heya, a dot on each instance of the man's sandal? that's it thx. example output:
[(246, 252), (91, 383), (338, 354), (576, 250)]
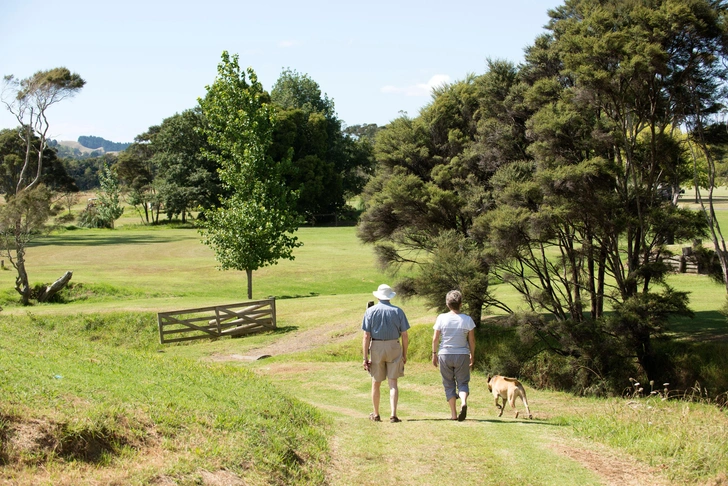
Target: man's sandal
[(394, 419), (374, 418)]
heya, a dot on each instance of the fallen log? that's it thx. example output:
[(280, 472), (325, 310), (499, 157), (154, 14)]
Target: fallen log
[(55, 287)]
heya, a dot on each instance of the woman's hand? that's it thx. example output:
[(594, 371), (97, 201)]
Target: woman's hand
[(435, 361)]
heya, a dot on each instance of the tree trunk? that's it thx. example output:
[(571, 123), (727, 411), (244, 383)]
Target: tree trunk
[(249, 273), (646, 356), (475, 309), (55, 287), (21, 281)]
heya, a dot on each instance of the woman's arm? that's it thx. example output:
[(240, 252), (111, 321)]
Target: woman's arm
[(471, 343), (435, 345)]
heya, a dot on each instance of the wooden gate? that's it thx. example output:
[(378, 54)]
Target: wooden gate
[(217, 321)]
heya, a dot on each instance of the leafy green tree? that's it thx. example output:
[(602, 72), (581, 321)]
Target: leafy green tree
[(254, 226), (29, 100), (327, 165), (590, 212), (433, 179), (366, 131), (699, 76), (109, 204), (12, 153), (106, 208), (137, 170), (187, 179), (85, 172)]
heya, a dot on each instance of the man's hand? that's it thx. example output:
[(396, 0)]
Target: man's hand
[(367, 365)]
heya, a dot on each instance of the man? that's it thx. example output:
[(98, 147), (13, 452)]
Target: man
[(383, 325)]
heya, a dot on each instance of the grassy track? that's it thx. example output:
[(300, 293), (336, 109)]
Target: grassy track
[(178, 413), (426, 448)]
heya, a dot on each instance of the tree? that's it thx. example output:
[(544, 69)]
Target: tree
[(109, 206), (433, 179), (589, 214), (368, 131), (253, 227), (12, 154), (187, 180), (327, 165), (137, 170), (29, 102), (85, 172), (699, 87)]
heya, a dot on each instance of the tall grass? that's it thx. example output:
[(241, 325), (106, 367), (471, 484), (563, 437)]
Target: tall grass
[(686, 439), (98, 390)]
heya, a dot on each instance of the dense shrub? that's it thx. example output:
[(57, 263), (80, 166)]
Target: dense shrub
[(502, 350), (91, 218)]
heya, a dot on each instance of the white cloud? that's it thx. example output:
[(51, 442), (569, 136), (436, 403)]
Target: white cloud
[(287, 43), (420, 89)]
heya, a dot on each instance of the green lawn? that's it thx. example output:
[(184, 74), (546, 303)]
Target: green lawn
[(91, 372)]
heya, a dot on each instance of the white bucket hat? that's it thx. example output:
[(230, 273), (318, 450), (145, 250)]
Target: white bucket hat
[(384, 292)]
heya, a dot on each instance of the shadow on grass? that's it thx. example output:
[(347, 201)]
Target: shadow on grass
[(298, 296), (108, 237), (284, 330), (490, 421), (705, 326)]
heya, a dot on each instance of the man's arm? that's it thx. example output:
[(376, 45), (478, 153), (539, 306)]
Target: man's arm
[(405, 343), (366, 340)]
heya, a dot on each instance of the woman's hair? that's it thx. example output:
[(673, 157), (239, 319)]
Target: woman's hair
[(454, 299)]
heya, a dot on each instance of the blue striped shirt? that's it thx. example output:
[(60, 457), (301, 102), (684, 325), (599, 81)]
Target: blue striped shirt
[(384, 321)]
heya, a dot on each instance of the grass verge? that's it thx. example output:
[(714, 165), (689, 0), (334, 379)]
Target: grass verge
[(90, 393)]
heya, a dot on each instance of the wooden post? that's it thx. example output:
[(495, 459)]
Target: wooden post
[(273, 310), (161, 334)]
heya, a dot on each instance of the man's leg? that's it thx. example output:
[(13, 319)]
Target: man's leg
[(393, 396), (375, 396)]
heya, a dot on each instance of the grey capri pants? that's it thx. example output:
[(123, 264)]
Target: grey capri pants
[(455, 371)]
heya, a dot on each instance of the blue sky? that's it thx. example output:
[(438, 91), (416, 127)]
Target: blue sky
[(146, 60)]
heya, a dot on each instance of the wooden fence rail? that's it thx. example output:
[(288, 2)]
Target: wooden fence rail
[(217, 321)]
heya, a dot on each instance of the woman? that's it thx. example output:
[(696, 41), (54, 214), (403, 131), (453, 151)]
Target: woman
[(453, 349)]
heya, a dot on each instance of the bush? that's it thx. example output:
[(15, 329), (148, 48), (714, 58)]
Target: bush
[(65, 218), (702, 363), (91, 218)]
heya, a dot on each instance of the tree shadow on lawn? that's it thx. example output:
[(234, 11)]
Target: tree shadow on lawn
[(297, 296), (491, 421), (705, 326), (116, 238), (283, 330)]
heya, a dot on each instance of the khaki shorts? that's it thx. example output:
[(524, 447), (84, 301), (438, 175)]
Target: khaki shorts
[(386, 360)]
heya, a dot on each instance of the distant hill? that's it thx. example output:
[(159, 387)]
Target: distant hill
[(96, 143), (77, 150), (75, 146)]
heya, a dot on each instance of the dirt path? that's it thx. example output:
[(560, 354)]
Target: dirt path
[(613, 468), (295, 342)]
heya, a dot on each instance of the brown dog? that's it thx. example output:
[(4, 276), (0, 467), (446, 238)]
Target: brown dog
[(507, 388)]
